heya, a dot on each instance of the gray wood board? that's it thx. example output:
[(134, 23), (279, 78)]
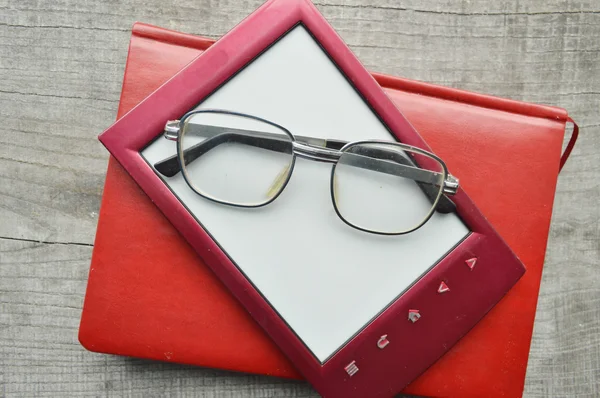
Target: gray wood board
[(61, 66)]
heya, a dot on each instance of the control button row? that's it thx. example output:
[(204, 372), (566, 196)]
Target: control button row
[(413, 315)]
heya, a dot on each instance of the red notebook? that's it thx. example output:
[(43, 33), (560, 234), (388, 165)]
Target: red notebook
[(150, 296)]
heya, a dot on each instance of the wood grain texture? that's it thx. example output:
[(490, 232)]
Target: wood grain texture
[(61, 65)]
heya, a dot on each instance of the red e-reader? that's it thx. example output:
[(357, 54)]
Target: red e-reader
[(283, 163)]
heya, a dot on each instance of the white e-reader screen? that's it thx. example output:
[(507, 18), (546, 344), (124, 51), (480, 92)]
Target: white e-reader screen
[(324, 278)]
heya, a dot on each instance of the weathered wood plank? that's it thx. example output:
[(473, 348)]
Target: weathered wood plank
[(61, 65)]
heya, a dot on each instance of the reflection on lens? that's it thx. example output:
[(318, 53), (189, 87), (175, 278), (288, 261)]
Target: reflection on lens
[(235, 159), (385, 188)]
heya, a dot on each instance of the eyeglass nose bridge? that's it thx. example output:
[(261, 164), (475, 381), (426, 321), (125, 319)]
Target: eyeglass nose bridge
[(320, 154)]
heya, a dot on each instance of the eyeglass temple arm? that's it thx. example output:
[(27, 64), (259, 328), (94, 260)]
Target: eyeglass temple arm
[(169, 167), (425, 179)]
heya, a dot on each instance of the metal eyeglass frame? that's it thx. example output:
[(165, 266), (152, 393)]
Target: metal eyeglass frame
[(318, 149)]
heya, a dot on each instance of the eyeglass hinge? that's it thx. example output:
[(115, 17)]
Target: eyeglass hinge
[(171, 131), (450, 184)]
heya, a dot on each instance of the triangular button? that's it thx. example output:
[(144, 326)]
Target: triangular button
[(443, 288), (471, 262)]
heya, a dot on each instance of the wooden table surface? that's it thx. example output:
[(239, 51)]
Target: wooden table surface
[(61, 65)]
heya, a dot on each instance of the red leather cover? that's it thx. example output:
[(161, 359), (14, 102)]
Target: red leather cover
[(150, 296)]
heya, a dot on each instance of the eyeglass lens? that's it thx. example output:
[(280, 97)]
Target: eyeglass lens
[(385, 188), (235, 159)]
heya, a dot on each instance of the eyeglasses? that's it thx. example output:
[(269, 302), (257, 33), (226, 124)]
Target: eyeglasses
[(235, 159)]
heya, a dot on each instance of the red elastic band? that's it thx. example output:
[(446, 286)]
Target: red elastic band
[(570, 145)]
